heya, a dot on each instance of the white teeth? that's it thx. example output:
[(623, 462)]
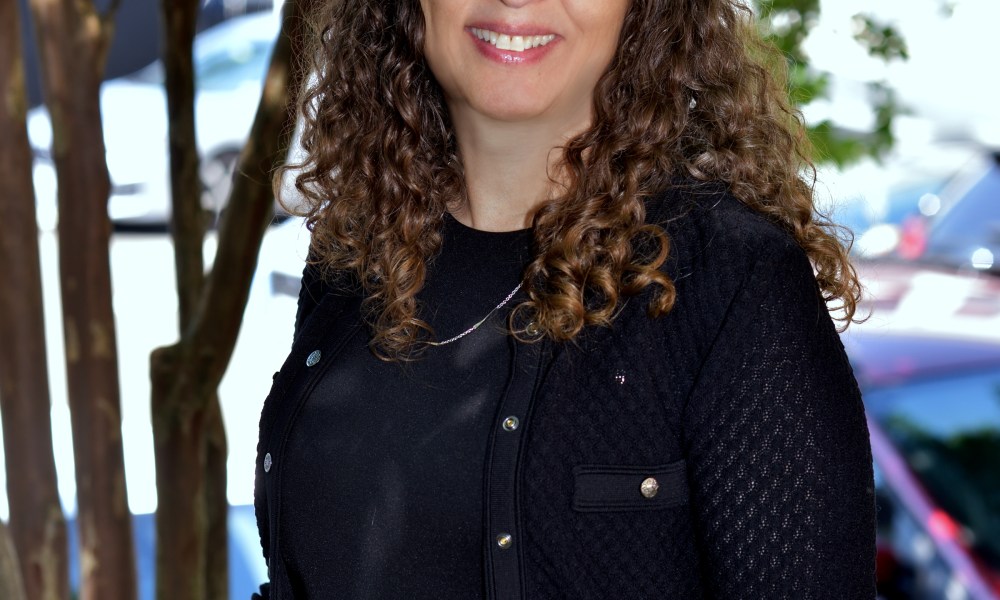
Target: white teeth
[(514, 43)]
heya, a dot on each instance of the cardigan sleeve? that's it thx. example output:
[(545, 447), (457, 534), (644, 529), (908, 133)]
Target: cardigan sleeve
[(311, 290), (777, 446)]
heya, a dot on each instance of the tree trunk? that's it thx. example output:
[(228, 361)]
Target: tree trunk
[(216, 505), (179, 22), (73, 40), (185, 541), (11, 587), (36, 520), (188, 435)]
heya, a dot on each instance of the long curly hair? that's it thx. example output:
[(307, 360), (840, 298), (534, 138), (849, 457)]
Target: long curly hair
[(693, 92)]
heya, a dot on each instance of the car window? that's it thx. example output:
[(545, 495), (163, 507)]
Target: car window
[(973, 221), (151, 74), (232, 67), (226, 69), (948, 432), (908, 199)]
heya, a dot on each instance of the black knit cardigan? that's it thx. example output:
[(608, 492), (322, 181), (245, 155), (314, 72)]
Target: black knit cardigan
[(738, 408)]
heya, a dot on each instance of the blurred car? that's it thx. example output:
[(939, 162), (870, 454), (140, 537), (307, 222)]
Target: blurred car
[(965, 232), (247, 569), (231, 60), (877, 200), (933, 406), (928, 363)]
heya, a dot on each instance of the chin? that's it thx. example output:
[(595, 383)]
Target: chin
[(513, 112), (515, 116)]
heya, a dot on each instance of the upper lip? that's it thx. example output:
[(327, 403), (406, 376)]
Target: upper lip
[(511, 29)]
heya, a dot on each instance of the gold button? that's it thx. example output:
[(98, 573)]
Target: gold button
[(531, 329), (649, 487), (504, 540), (510, 423)]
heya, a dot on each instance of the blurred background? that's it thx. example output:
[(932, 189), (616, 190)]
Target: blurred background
[(902, 102)]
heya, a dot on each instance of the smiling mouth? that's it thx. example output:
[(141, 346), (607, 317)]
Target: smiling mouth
[(513, 43)]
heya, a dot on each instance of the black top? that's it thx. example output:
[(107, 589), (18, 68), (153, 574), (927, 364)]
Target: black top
[(740, 403), (384, 465)]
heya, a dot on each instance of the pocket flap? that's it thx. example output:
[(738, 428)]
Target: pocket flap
[(629, 487)]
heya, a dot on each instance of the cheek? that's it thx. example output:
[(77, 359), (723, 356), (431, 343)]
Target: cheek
[(603, 23), (441, 62), (434, 54), (610, 34), (600, 52), (442, 33)]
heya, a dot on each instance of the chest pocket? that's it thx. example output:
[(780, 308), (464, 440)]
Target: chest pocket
[(604, 488)]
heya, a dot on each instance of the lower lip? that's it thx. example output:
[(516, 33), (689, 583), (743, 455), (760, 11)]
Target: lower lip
[(509, 57)]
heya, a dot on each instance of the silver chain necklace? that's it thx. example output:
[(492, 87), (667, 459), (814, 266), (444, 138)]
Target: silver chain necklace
[(481, 321)]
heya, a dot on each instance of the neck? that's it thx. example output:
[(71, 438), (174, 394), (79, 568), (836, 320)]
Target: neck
[(507, 169)]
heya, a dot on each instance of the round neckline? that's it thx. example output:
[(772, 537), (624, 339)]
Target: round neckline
[(450, 218)]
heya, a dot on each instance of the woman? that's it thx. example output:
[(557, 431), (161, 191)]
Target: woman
[(560, 335)]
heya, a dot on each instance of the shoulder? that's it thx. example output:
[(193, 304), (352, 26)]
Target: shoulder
[(739, 276), (714, 234), (317, 284)]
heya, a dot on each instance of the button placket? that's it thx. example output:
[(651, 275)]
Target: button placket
[(503, 564)]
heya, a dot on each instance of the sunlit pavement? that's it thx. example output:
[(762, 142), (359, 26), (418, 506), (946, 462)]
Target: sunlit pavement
[(145, 304)]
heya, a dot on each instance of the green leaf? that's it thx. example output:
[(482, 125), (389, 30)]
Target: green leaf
[(881, 41), (786, 24)]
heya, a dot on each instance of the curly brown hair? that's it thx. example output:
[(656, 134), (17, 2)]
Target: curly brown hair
[(692, 92)]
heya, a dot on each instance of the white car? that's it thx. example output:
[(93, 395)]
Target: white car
[(231, 60)]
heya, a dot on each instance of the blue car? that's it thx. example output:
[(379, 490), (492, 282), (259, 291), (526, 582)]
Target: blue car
[(966, 233), (933, 406)]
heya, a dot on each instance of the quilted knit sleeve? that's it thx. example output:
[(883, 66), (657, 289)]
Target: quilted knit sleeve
[(311, 290), (778, 454)]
